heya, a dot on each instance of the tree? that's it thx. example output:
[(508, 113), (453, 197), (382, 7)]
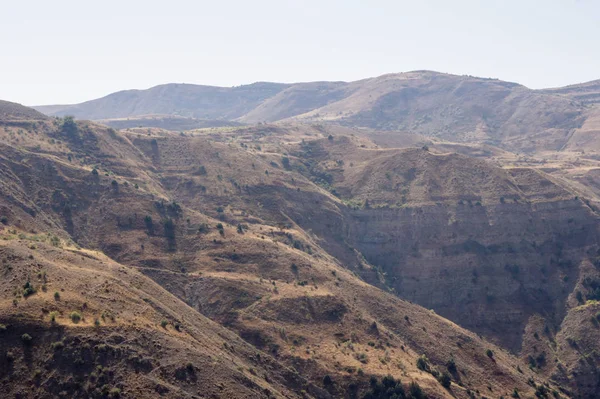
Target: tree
[(149, 224), (69, 127)]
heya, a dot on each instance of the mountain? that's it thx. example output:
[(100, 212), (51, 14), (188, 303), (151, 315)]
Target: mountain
[(455, 108), (194, 101), (285, 261)]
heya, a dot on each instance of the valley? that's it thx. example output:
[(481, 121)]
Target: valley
[(433, 232)]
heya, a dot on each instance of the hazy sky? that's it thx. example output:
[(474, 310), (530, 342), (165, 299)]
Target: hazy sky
[(70, 51)]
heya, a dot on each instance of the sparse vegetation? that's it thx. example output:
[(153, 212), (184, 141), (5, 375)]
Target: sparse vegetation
[(390, 388)]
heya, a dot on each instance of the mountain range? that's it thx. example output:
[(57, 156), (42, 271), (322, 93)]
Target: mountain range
[(421, 235)]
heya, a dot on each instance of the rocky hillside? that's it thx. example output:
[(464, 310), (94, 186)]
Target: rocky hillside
[(146, 235), (453, 108)]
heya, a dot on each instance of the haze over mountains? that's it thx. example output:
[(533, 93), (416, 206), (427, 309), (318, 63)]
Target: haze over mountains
[(304, 241), (450, 107)]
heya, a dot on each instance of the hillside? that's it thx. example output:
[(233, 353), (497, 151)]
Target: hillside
[(587, 93), (14, 112), (242, 226), (193, 101), (435, 105)]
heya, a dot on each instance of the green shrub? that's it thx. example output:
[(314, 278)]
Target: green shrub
[(28, 290), (164, 323), (445, 380), (53, 316), (75, 317), (451, 366), (489, 353), (56, 295), (392, 388), (26, 338), (58, 345), (423, 363)]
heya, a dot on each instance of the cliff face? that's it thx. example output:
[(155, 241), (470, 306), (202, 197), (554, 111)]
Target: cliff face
[(483, 246), (488, 268)]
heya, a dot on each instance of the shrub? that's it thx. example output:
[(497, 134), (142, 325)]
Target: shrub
[(169, 227), (423, 363), (28, 290), (26, 338), (451, 366), (58, 345), (4, 220), (362, 357), (95, 172), (415, 391), (392, 388), (203, 228), (327, 380), (53, 316), (75, 317), (56, 295), (164, 323), (489, 353), (445, 380), (2, 327)]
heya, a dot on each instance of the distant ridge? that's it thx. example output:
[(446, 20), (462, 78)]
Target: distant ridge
[(450, 107), (14, 111)]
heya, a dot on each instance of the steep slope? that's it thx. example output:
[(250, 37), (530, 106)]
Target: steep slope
[(483, 246), (85, 326), (212, 221)]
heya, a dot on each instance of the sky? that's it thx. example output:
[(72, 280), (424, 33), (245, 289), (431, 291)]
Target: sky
[(63, 51)]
